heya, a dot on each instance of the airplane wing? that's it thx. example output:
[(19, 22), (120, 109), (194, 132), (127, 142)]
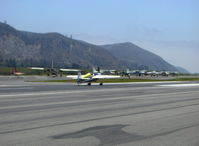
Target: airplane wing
[(76, 77), (105, 77), (37, 68), (63, 69)]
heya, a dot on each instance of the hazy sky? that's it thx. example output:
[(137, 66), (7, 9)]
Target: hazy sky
[(169, 28)]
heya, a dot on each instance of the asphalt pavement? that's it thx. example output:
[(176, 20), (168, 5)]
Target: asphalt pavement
[(127, 114)]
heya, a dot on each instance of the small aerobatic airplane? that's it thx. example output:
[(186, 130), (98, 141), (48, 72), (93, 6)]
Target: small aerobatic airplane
[(88, 78)]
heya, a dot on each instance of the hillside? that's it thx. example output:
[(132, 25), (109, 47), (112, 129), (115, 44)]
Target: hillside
[(20, 48), (23, 49), (138, 58)]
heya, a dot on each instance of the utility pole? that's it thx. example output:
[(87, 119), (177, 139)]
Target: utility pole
[(52, 65)]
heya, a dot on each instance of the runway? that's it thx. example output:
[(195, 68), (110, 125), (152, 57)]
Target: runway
[(140, 114)]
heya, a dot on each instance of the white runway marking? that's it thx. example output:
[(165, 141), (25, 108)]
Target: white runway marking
[(181, 85)]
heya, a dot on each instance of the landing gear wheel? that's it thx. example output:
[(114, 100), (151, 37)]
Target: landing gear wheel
[(101, 84), (89, 84)]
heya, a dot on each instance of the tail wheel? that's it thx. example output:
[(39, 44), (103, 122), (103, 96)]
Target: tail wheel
[(101, 84), (89, 84)]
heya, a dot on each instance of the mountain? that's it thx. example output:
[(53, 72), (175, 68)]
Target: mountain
[(21, 48), (138, 58)]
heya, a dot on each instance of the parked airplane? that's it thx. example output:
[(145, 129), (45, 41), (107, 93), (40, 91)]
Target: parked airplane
[(161, 73), (88, 78), (153, 73), (17, 73), (54, 71), (134, 72), (147, 72), (107, 71)]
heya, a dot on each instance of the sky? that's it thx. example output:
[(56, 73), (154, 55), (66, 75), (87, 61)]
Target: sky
[(169, 28)]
